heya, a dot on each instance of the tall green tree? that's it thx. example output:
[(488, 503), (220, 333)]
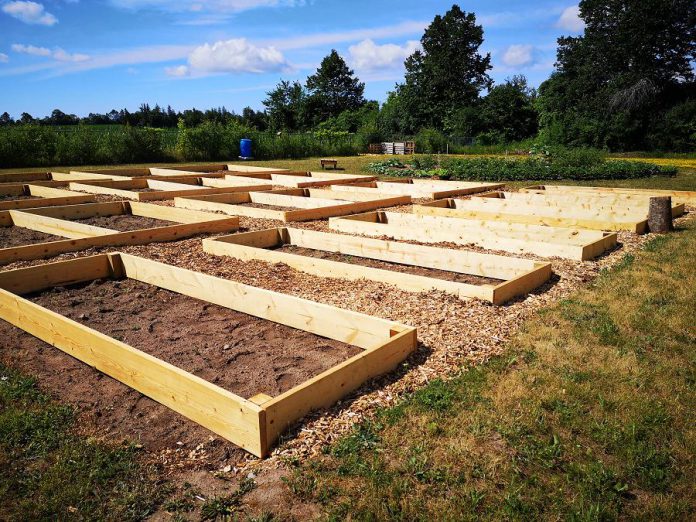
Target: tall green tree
[(448, 73), (614, 84), (285, 106), (333, 89), (508, 113)]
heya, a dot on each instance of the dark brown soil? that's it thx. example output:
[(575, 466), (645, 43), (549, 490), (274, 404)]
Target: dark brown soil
[(19, 236), (125, 222), (267, 207), (13, 197), (240, 353), (394, 267)]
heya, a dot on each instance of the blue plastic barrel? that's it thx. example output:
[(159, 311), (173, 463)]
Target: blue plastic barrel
[(245, 148)]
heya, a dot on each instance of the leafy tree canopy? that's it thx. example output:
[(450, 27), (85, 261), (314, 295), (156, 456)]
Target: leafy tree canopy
[(448, 73), (333, 89), (613, 85)]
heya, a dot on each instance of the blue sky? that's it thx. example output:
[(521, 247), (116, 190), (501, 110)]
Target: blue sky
[(91, 56)]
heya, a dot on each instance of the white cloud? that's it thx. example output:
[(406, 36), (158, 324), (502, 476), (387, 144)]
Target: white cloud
[(30, 49), (4, 58), (354, 35), (177, 71), (57, 54), (518, 55), (29, 13), (368, 56), (236, 55), (570, 19), (197, 6)]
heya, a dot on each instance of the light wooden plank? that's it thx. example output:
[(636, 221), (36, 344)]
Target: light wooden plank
[(325, 389), (57, 227), (55, 197), (432, 189), (185, 224), (24, 177), (510, 237), (220, 411), (342, 325), (514, 212), (679, 196), (252, 245), (248, 168)]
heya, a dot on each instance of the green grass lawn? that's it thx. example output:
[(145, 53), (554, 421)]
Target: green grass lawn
[(590, 415)]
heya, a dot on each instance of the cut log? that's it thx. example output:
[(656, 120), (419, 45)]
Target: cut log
[(660, 215)]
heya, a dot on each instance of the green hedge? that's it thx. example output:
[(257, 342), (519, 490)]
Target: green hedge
[(43, 146), (527, 169)]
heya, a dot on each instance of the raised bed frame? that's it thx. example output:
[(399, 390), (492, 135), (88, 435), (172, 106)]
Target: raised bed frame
[(517, 238), (251, 168), (56, 221), (45, 196), (162, 189), (678, 196), (140, 172), (520, 275), (519, 210), (310, 203), (24, 177), (422, 188), (253, 423), (302, 179)]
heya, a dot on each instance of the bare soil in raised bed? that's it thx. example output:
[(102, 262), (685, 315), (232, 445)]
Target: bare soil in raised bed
[(16, 197), (455, 277), (125, 222), (267, 207), (238, 352), (20, 236)]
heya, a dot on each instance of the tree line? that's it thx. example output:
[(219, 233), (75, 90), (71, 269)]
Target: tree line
[(626, 83), (155, 117)]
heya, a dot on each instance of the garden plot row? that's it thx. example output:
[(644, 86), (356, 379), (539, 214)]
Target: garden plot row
[(592, 213), (617, 194), (253, 418), (253, 422), (19, 196), (49, 231)]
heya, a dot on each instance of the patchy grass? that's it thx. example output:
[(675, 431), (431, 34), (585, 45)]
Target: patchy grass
[(590, 415), (49, 473)]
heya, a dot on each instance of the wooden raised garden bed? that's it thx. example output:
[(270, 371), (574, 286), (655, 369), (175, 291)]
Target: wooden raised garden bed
[(253, 423), (157, 189), (302, 179), (64, 222), (290, 205), (539, 212), (510, 237), (422, 188), (687, 197), (17, 196), (515, 276)]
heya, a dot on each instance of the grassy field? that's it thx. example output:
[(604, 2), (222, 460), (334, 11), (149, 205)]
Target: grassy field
[(590, 415)]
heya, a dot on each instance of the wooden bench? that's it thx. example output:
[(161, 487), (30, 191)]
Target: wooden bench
[(332, 162)]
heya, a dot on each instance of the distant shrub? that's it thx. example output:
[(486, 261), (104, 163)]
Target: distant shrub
[(431, 141), (584, 164)]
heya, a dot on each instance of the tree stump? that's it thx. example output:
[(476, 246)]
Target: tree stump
[(660, 215)]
